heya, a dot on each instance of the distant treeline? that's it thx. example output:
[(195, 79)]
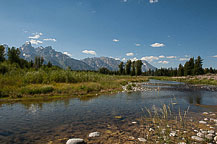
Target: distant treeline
[(191, 67), (133, 68)]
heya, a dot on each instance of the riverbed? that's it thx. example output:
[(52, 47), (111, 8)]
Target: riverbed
[(43, 121)]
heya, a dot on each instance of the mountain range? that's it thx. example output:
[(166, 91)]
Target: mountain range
[(28, 52)]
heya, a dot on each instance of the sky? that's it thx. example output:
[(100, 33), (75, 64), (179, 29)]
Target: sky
[(163, 32)]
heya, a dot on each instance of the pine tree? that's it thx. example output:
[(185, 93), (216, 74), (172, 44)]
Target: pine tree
[(139, 67), (180, 70), (13, 55), (49, 64), (2, 53), (128, 67), (133, 69), (198, 69), (121, 68)]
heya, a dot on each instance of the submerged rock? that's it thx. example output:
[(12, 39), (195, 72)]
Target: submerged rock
[(202, 122), (200, 134), (173, 133), (196, 138), (75, 141), (94, 134), (142, 139)]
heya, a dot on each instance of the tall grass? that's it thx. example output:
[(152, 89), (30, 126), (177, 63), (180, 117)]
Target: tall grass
[(16, 81)]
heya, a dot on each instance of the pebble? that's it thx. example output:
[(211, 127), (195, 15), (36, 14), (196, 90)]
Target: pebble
[(196, 138), (151, 129), (142, 139), (204, 132), (202, 122), (215, 138), (200, 134), (181, 143), (205, 113), (94, 134), (206, 119), (173, 133), (75, 141), (195, 130), (209, 136), (134, 122), (211, 131)]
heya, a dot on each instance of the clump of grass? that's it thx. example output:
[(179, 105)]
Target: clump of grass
[(37, 90)]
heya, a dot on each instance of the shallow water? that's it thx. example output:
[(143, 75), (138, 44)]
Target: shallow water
[(41, 121)]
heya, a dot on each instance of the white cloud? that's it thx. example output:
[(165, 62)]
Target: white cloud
[(50, 39), (215, 56), (163, 62), (157, 45), (36, 42), (68, 54), (117, 58), (40, 33), (129, 54), (124, 1), (149, 58), (171, 57), (37, 36), (89, 52), (161, 56), (184, 59), (115, 40), (134, 59), (137, 44), (153, 1)]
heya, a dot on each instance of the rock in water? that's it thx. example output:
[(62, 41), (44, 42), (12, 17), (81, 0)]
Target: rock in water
[(94, 134), (196, 138), (75, 141), (142, 139)]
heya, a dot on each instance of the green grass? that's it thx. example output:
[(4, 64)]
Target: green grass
[(28, 83)]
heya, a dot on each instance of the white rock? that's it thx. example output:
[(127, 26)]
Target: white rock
[(205, 113), (195, 130), (196, 138), (204, 132), (94, 134), (202, 122), (211, 131), (151, 129), (181, 143), (209, 136), (206, 119), (134, 122), (200, 134), (173, 133), (215, 138), (75, 141), (142, 139)]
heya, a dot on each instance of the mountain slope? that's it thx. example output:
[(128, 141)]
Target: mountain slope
[(99, 62), (56, 58), (112, 64), (28, 52)]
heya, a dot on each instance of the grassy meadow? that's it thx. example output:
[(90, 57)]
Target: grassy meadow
[(31, 83)]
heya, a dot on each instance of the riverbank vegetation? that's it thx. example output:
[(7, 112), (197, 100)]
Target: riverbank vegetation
[(22, 79)]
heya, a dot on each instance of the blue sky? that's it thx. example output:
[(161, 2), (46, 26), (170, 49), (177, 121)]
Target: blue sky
[(163, 32)]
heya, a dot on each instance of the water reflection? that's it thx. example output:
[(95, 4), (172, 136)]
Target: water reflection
[(36, 120)]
